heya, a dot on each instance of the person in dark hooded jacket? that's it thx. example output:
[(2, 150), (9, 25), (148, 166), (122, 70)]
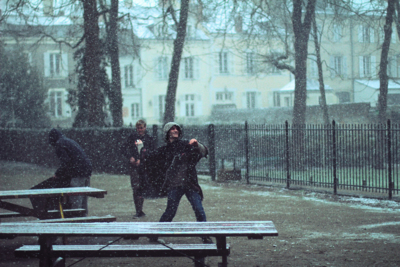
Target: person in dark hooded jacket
[(177, 162), (74, 171)]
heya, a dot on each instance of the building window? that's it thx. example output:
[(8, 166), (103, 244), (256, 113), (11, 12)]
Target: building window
[(224, 96), (366, 66), (135, 110), (287, 101), (128, 76), (188, 63), (56, 100), (223, 62), (366, 34), (189, 105), (55, 64), (343, 97), (338, 61), (162, 68), (337, 33), (277, 99), (251, 99), (250, 63)]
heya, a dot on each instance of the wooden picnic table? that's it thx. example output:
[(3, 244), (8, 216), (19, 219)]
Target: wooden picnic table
[(19, 210), (219, 230)]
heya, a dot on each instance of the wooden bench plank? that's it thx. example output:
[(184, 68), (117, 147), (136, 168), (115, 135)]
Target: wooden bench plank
[(52, 213), (53, 192), (150, 250), (81, 219)]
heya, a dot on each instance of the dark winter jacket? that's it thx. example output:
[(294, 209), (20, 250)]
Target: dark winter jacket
[(73, 160), (168, 161), (129, 149)]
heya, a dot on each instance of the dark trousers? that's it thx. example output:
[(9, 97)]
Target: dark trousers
[(174, 197)]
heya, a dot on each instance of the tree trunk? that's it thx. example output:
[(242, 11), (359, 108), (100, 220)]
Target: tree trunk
[(322, 104), (301, 33), (176, 59), (91, 65), (115, 94), (383, 76)]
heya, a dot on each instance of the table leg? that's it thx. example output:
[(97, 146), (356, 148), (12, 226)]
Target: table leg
[(221, 246), (46, 246)]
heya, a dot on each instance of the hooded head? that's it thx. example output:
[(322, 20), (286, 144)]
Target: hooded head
[(168, 127), (54, 135)]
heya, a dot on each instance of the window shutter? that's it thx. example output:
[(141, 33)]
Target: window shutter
[(46, 58), (361, 66), (244, 100), (258, 100), (196, 68), (332, 67), (360, 34), (64, 65), (372, 35), (66, 107), (198, 106), (373, 66), (137, 75), (216, 62), (156, 70), (344, 67), (231, 63)]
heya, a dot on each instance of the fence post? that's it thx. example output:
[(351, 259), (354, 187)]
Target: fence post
[(389, 145), (155, 135), (334, 157), (246, 142), (287, 155), (211, 150)]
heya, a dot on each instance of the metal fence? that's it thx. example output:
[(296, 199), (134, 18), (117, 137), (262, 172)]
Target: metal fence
[(338, 157)]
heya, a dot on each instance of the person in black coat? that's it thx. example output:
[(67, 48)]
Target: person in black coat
[(74, 171), (176, 162), (138, 143)]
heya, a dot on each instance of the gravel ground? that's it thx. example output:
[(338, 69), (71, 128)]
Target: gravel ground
[(315, 229)]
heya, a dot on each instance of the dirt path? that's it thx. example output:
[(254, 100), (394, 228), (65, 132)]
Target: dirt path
[(314, 229)]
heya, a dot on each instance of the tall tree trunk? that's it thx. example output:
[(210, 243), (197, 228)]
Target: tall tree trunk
[(383, 76), (179, 42), (115, 94), (322, 104), (92, 92), (301, 35)]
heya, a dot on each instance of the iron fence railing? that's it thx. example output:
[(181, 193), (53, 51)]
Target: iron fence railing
[(335, 156), (346, 157)]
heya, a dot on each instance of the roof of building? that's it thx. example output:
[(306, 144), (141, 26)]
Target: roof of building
[(312, 85), (375, 84)]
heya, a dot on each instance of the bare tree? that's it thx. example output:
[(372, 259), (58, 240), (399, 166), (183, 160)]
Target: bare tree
[(179, 42), (317, 45), (383, 76), (91, 108), (115, 93)]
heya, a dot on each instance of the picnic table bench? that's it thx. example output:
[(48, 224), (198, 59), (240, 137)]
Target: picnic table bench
[(45, 251), (20, 210)]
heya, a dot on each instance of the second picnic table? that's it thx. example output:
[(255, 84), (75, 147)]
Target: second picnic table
[(20, 210)]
